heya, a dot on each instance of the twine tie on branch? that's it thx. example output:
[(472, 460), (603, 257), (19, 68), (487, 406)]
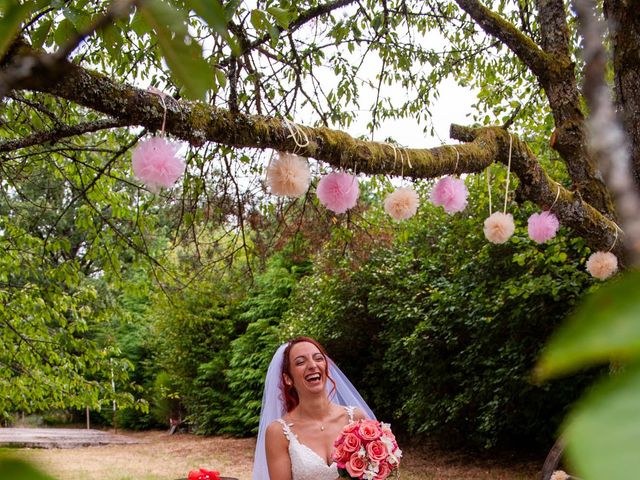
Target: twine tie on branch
[(297, 134)]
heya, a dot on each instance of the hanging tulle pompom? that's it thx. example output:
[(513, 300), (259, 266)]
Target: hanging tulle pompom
[(543, 226), (602, 265), (499, 227), (402, 203), (288, 175), (450, 193), (338, 191), (156, 163)]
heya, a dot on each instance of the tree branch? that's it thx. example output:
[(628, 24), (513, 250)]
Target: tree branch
[(56, 134), (539, 62), (198, 123)]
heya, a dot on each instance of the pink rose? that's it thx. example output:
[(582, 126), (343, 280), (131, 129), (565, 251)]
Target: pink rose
[(351, 443), (355, 466), (376, 451), (384, 469), (369, 430), (341, 456), (350, 428)]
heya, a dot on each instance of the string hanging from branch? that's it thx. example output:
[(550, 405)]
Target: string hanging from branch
[(602, 265), (403, 202), (499, 226)]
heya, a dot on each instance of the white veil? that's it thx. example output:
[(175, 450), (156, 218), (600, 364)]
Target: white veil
[(273, 406)]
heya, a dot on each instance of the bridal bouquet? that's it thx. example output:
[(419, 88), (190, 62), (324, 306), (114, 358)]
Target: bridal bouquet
[(367, 450)]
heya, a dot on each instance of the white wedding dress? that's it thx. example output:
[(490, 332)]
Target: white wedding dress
[(306, 464)]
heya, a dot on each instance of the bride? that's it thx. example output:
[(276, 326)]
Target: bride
[(307, 401)]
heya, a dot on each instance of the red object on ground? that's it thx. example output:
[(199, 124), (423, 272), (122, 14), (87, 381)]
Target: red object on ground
[(203, 474)]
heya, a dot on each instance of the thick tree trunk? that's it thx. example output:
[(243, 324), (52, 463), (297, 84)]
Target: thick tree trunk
[(624, 26)]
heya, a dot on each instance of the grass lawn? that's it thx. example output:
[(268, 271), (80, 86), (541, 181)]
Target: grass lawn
[(164, 457)]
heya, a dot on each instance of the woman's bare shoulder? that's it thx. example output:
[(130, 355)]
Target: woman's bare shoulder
[(275, 435), (275, 426)]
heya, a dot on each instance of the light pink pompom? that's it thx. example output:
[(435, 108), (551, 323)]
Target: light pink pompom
[(450, 193), (156, 163), (288, 175), (602, 265), (338, 191), (543, 226), (499, 227), (402, 203)]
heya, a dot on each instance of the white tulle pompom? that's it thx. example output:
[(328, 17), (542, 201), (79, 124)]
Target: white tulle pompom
[(602, 265), (402, 203), (288, 175), (499, 227)]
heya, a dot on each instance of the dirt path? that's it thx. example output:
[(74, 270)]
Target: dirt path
[(158, 456)]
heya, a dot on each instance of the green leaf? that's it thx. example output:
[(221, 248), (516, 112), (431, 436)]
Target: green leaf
[(13, 14), (40, 34), (230, 9), (181, 52), (64, 32), (606, 326), (259, 20), (139, 25), (217, 17), (283, 17), (112, 36), (602, 432), (212, 13)]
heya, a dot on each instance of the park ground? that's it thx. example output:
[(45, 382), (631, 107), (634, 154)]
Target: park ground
[(159, 456)]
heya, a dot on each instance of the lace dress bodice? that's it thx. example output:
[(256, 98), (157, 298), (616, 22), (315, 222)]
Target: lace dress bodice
[(305, 463)]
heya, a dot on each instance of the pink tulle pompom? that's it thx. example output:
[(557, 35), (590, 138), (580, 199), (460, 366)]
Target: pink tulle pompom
[(156, 163), (543, 226), (499, 227), (402, 203), (602, 265), (450, 193), (338, 191), (288, 175)]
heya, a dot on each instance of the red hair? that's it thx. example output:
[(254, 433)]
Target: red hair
[(289, 392)]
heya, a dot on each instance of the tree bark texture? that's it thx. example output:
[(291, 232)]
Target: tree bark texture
[(624, 30)]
